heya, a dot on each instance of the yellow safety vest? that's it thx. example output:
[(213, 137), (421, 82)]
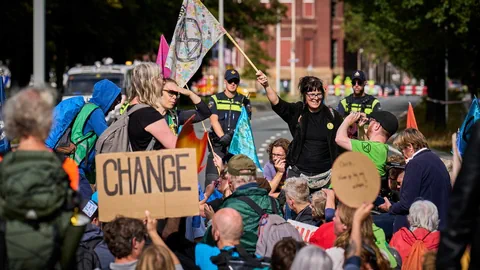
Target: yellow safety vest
[(227, 105), (356, 107)]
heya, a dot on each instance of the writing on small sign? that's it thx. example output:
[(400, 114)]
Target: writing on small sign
[(90, 208), (358, 180)]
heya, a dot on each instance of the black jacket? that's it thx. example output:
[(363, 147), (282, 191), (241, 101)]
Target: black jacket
[(291, 112), (463, 227)]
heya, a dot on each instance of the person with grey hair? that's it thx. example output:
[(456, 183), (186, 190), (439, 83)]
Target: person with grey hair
[(312, 258), (297, 197), (246, 197), (423, 219), (36, 190)]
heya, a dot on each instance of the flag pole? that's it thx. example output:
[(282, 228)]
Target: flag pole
[(206, 133), (240, 49)]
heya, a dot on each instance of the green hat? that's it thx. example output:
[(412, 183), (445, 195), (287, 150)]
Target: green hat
[(241, 165)]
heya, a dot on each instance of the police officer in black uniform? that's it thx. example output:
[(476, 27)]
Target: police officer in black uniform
[(358, 101), (226, 108)]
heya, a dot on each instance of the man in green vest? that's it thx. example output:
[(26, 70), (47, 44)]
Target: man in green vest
[(358, 101), (226, 108)]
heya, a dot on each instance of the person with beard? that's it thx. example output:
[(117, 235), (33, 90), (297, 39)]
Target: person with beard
[(313, 126), (358, 101)]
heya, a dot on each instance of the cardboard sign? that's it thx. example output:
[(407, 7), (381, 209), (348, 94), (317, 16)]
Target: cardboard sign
[(355, 179), (163, 182), (305, 230)]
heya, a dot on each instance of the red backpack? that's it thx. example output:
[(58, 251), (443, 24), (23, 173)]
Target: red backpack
[(414, 258)]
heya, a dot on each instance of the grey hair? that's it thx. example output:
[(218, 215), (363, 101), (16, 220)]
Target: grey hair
[(239, 180), (29, 113), (423, 214), (319, 201), (312, 258), (297, 189)]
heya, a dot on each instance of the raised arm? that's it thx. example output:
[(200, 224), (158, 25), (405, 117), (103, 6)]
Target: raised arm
[(342, 139), (271, 93)]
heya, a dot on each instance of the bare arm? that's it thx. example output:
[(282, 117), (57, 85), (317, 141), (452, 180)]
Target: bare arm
[(162, 133), (355, 244), (275, 182), (151, 224), (271, 93), (217, 128), (342, 139)]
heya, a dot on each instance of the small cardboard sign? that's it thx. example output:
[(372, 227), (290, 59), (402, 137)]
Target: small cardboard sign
[(163, 182), (305, 230), (355, 179)]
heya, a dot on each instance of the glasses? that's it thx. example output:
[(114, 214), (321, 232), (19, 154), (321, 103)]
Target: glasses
[(235, 81), (314, 95), (172, 93), (357, 82)]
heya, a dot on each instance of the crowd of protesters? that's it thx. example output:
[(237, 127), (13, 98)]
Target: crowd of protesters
[(49, 217)]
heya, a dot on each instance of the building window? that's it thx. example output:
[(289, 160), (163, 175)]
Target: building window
[(334, 8), (308, 8), (285, 44), (308, 52), (334, 53)]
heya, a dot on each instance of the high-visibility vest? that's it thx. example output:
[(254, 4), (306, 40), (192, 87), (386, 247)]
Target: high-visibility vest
[(366, 107)]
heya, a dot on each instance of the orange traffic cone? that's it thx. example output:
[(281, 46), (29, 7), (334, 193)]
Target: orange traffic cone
[(411, 121)]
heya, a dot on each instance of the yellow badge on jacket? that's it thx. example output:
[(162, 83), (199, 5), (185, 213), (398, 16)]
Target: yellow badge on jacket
[(330, 126)]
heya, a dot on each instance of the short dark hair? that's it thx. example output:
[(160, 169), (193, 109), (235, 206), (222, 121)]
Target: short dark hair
[(119, 234), (284, 253), (309, 84), (280, 142)]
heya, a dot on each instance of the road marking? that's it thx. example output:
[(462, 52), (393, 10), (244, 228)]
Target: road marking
[(260, 154), (260, 160), (268, 141), (264, 144), (284, 132), (272, 138), (279, 134), (261, 149)]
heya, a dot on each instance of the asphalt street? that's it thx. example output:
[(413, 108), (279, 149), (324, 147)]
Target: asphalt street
[(267, 126)]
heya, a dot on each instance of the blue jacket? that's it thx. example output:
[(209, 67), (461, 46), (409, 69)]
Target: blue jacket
[(425, 177), (104, 94)]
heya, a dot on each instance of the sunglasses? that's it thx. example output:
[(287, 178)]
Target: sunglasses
[(172, 93), (357, 82), (235, 81)]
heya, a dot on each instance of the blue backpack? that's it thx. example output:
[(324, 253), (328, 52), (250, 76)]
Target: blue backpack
[(4, 143), (63, 116)]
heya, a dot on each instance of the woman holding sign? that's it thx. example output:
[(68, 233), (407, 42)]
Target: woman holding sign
[(313, 126), (147, 129)]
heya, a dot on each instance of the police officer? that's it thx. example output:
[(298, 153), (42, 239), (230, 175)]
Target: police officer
[(226, 108), (358, 101)]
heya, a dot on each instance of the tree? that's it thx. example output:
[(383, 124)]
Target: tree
[(417, 35)]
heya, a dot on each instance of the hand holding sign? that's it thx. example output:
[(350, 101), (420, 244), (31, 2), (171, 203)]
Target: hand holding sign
[(355, 179)]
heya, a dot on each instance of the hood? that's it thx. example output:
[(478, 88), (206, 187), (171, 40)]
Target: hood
[(91, 232), (104, 94), (431, 241)]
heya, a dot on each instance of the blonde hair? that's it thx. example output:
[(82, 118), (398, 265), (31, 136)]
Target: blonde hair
[(155, 257), (29, 113), (345, 214), (410, 136), (319, 200), (143, 86)]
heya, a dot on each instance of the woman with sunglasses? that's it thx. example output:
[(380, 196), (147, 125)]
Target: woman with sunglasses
[(175, 118), (313, 126)]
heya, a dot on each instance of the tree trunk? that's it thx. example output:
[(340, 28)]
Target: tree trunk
[(436, 90)]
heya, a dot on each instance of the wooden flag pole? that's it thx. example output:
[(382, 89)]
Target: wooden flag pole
[(208, 137), (240, 49)]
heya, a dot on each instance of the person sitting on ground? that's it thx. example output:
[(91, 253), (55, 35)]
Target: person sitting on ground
[(323, 206), (275, 169), (425, 176), (297, 193), (227, 229), (284, 253), (423, 219), (381, 126), (93, 251), (373, 238), (241, 175), (312, 258)]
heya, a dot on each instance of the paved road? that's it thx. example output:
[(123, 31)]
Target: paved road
[(267, 126)]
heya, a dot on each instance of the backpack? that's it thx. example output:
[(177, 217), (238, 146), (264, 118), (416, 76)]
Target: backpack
[(64, 115), (87, 258), (414, 259), (33, 239), (115, 138), (271, 229), (226, 261), (4, 143)]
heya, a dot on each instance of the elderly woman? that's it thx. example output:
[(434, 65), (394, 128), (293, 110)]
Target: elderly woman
[(423, 219), (296, 194), (36, 188), (312, 257), (425, 176)]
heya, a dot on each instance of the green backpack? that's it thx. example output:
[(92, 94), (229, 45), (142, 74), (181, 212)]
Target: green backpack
[(36, 207)]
